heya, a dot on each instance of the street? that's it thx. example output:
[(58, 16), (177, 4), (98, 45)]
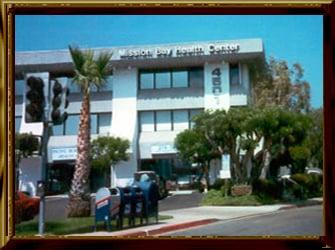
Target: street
[(305, 221), (56, 206)]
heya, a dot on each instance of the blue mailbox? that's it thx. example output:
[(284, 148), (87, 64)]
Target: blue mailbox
[(102, 207), (150, 199)]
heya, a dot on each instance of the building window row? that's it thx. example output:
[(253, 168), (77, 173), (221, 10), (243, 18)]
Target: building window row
[(169, 78), (18, 120), (73, 87), (235, 74), (100, 124), (167, 120), (108, 86)]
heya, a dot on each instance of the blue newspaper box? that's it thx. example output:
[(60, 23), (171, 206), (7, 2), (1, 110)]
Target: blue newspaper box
[(115, 205), (150, 199), (126, 206), (137, 202)]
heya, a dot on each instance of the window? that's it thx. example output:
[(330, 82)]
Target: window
[(179, 79), (147, 121), (196, 77), (18, 120), (72, 125), (104, 123), (146, 80), (171, 78), (234, 74), (108, 85), (163, 120), (100, 124), (167, 120), (19, 87), (58, 129), (73, 86), (180, 119), (163, 80), (94, 123), (194, 112)]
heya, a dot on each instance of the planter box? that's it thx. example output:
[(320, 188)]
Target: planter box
[(240, 190)]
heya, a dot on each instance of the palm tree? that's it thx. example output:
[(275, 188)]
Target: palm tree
[(89, 70)]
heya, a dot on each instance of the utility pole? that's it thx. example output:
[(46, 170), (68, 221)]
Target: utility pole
[(44, 155), (40, 96)]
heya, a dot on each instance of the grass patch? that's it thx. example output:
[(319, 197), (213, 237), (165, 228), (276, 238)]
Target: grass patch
[(73, 226), (215, 198)]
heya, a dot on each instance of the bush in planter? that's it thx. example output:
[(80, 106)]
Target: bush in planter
[(26, 208), (267, 189), (240, 190), (221, 184), (310, 185)]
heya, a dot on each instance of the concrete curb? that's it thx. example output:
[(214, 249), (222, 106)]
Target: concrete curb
[(306, 204), (167, 228)]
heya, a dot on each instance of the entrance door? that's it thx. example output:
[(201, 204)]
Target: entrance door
[(60, 177)]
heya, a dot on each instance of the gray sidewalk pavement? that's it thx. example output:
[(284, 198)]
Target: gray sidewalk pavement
[(197, 216)]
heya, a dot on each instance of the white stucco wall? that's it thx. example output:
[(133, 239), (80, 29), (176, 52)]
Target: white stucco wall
[(220, 99), (124, 117)]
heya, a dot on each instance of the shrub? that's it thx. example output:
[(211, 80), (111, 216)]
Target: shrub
[(310, 185), (220, 184), (267, 189), (215, 198), (25, 207)]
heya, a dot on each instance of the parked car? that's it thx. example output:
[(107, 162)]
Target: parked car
[(26, 207), (152, 176)]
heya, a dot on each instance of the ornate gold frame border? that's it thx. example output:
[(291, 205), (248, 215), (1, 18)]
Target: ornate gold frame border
[(8, 9)]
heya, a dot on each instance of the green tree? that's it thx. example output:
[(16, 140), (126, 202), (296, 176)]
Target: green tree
[(193, 148), (315, 138), (284, 133), (240, 131), (230, 132), (107, 151), (276, 85), (89, 71)]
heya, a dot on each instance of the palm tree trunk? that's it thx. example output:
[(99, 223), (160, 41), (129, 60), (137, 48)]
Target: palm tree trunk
[(79, 202)]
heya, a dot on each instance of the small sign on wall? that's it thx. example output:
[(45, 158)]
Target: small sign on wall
[(59, 154), (163, 149)]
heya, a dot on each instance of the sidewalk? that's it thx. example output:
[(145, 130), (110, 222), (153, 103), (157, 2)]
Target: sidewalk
[(197, 216)]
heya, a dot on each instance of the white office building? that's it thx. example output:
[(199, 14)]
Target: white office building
[(150, 97)]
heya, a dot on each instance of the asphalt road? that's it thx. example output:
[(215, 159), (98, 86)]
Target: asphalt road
[(305, 221), (56, 206), (180, 201)]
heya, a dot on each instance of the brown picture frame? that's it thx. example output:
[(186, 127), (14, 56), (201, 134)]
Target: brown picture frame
[(11, 8)]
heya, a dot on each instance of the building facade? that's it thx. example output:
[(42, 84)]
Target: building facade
[(151, 95)]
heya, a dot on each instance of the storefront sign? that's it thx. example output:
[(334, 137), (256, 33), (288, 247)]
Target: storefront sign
[(225, 167), (163, 149), (179, 51), (59, 154)]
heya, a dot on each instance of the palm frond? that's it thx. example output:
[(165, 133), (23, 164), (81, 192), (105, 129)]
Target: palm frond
[(102, 66), (77, 56), (87, 69)]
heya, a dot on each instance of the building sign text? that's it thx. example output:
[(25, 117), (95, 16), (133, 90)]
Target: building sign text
[(179, 51), (58, 154)]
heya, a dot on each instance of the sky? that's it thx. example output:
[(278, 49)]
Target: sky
[(293, 38)]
